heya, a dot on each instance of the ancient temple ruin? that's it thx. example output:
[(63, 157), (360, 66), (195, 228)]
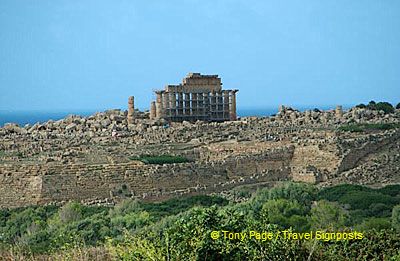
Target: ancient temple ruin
[(198, 97)]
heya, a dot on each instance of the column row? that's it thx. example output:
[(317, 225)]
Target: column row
[(203, 106)]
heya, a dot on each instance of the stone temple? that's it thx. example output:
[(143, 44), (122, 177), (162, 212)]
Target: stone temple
[(198, 97)]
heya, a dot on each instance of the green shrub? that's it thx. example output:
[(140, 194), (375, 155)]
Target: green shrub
[(375, 245), (396, 218), (391, 190), (162, 159), (126, 206), (70, 212), (374, 223), (328, 215), (351, 128), (384, 106), (176, 205), (286, 213), (365, 199), (336, 192), (301, 192)]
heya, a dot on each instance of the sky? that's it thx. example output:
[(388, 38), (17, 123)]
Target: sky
[(84, 55)]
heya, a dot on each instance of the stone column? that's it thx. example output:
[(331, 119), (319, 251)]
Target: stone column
[(213, 101), (159, 107), (180, 104), (153, 110), (131, 109), (172, 103), (206, 105), (339, 112), (307, 116), (233, 115), (195, 103), (226, 102), (199, 105), (166, 107), (187, 104)]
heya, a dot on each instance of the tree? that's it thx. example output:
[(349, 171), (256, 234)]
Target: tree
[(286, 213), (396, 217), (384, 106), (328, 215), (380, 106), (398, 106)]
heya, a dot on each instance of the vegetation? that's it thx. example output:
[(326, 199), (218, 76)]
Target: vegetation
[(398, 106), (162, 159), (368, 127), (380, 106), (180, 229)]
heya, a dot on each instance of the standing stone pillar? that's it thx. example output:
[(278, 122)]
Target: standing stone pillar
[(213, 102), (180, 104), (159, 107), (153, 110), (187, 104), (166, 107), (200, 106), (172, 103), (131, 109), (339, 112), (206, 105), (195, 103), (233, 115), (226, 102), (307, 116)]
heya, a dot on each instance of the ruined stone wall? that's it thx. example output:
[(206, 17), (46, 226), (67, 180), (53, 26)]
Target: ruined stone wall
[(44, 184), (20, 186), (313, 162), (357, 153)]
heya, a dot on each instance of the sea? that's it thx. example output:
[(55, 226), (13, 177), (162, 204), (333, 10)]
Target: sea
[(31, 117)]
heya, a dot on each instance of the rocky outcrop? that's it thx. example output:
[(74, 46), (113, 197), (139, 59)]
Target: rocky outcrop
[(90, 159)]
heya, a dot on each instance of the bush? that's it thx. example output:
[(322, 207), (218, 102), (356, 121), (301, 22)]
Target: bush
[(351, 128), (398, 106), (396, 218), (177, 205), (375, 245), (162, 159), (328, 215), (335, 193), (381, 106), (70, 212), (124, 207), (180, 228), (374, 223), (391, 190), (365, 199), (285, 213)]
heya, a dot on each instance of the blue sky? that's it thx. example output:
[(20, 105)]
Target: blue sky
[(69, 55)]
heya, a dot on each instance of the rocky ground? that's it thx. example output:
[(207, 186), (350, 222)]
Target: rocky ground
[(107, 137)]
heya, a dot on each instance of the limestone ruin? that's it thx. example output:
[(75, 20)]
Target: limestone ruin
[(198, 97), (94, 159)]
